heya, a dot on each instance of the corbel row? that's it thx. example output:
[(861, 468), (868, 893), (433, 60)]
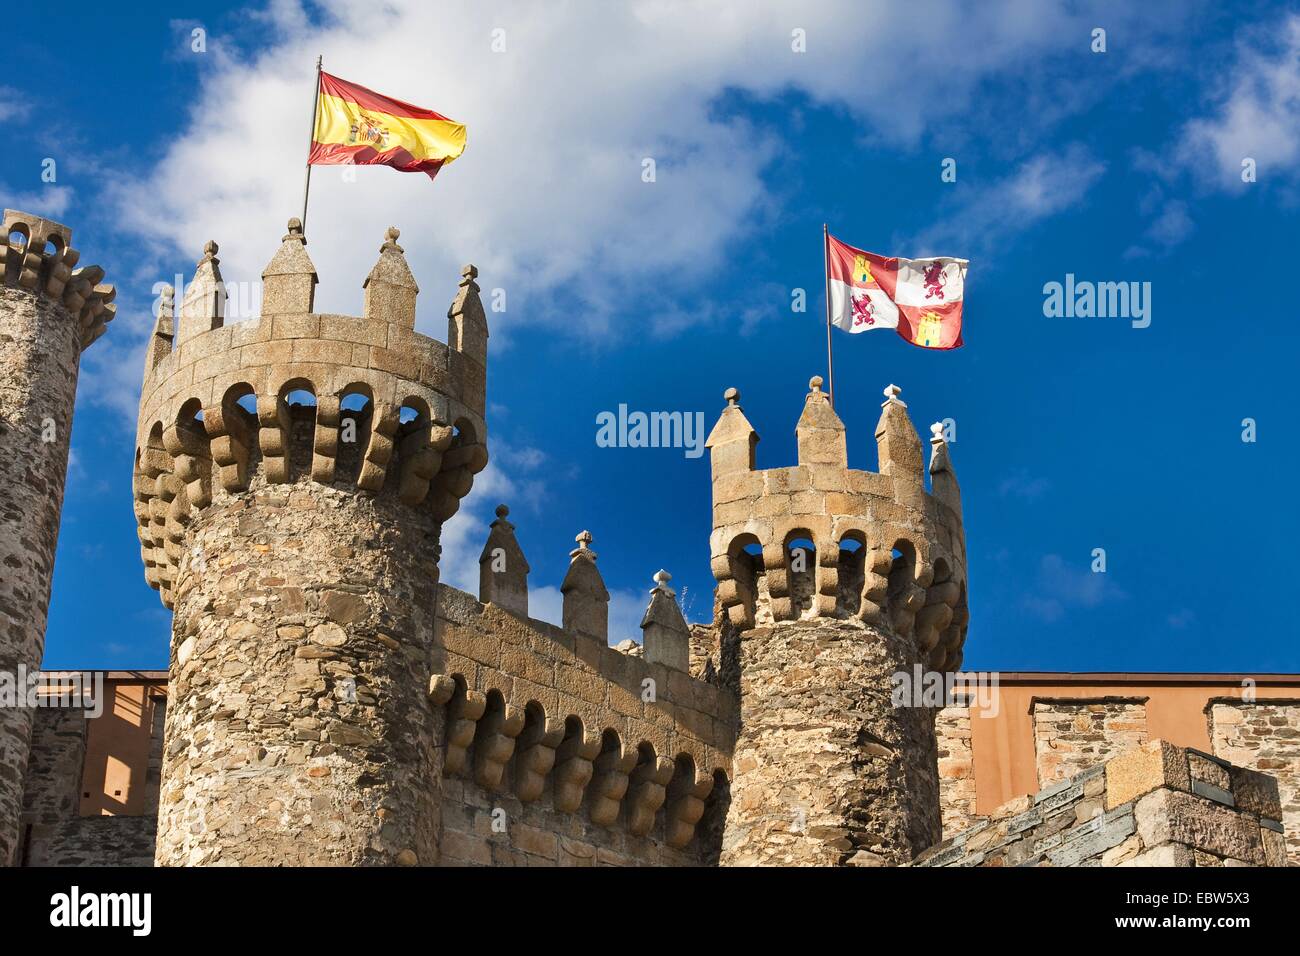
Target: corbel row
[(583, 765)]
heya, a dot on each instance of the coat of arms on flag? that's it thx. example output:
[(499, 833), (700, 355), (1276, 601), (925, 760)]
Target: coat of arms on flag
[(919, 298)]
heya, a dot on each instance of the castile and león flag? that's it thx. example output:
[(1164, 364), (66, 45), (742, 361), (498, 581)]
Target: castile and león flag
[(920, 299)]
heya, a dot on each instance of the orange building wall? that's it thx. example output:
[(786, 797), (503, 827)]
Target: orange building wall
[(118, 744), (1002, 746)]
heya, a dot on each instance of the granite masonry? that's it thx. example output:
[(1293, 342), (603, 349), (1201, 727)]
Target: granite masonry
[(331, 702), (50, 310), (1156, 805)]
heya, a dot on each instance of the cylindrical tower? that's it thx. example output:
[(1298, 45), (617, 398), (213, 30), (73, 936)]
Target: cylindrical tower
[(293, 475), (840, 593), (49, 312)]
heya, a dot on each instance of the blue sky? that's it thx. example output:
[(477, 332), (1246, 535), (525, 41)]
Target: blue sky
[(1072, 433)]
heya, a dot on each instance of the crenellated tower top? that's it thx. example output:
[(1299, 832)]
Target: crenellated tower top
[(364, 403), (36, 254), (820, 539)]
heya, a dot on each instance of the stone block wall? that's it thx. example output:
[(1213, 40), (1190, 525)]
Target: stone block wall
[(52, 789), (1071, 735), (1157, 805), (561, 750), (1263, 735), (96, 841), (956, 768)]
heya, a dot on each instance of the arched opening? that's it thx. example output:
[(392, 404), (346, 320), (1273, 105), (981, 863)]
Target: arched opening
[(356, 413), (852, 573), (902, 574), (801, 564), (745, 565)]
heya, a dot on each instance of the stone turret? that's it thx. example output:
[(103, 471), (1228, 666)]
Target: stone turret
[(293, 474), (831, 581), (49, 312)]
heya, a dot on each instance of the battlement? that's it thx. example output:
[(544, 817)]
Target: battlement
[(361, 403), (819, 539), (36, 254), (535, 709)]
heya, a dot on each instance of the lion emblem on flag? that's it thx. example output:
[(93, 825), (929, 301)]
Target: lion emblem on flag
[(934, 280), (864, 310)]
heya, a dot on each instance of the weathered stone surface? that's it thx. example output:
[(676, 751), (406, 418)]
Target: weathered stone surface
[(1143, 769), (1071, 735), (1262, 735), (48, 314)]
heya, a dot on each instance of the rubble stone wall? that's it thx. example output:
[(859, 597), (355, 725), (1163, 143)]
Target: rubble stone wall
[(1157, 805)]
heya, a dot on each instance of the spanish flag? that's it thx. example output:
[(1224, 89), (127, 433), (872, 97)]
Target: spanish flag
[(357, 126)]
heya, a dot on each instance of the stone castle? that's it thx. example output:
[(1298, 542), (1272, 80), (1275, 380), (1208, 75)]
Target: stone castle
[(330, 702)]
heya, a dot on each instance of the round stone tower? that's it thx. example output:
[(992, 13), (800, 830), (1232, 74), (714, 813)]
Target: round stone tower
[(49, 313), (840, 592), (293, 475)]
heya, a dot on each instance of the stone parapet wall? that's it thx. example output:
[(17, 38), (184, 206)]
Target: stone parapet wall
[(1264, 735), (570, 738), (96, 841), (952, 727), (1073, 734), (1156, 805)]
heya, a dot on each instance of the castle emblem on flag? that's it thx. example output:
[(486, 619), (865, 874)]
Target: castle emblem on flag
[(862, 271), (929, 331)]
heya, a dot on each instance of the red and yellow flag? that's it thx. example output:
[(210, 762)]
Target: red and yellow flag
[(357, 126), (920, 299)]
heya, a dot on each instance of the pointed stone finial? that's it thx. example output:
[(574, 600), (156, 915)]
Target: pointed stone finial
[(204, 306), (289, 279), (390, 287), (665, 634), (160, 345), (584, 540), (896, 438), (943, 480), (586, 601), (467, 329), (820, 432), (732, 441), (503, 570)]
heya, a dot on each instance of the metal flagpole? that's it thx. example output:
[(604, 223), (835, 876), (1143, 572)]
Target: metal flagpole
[(311, 136), (830, 367)]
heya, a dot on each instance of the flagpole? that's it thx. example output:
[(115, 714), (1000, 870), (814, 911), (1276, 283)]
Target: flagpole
[(311, 136), (830, 367)]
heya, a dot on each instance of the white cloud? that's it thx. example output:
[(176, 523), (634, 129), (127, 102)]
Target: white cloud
[(13, 105), (982, 216), (1258, 115), (548, 199), (50, 201)]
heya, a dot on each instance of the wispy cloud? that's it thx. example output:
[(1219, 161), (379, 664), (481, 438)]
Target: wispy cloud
[(1061, 587), (1021, 484), (1256, 114), (982, 216)]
